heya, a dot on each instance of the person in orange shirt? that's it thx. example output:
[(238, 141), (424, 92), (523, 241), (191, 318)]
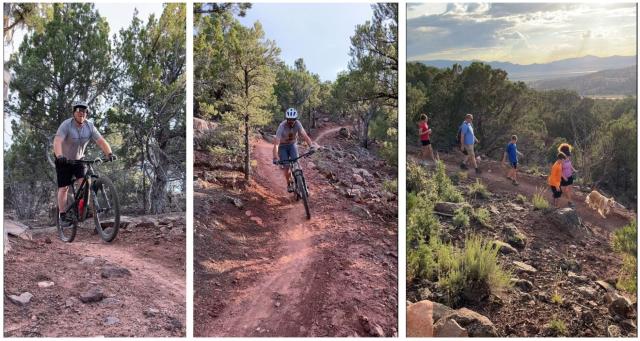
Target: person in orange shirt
[(556, 177)]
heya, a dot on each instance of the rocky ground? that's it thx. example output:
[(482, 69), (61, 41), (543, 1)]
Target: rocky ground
[(563, 268), (262, 269), (134, 286)]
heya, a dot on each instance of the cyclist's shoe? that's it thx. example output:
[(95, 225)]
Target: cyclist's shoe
[(290, 187), (64, 221)]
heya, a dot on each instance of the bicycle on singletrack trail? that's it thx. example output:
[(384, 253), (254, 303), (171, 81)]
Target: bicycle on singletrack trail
[(300, 190), (99, 193)]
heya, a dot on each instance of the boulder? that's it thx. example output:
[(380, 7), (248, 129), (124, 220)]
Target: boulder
[(606, 286), (514, 237), (475, 324), (567, 220), (22, 299), (522, 284), (622, 307), (522, 267), (504, 248), (92, 295), (449, 328), (422, 315)]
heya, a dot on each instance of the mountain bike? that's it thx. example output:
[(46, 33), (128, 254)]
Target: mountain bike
[(101, 196), (300, 189)]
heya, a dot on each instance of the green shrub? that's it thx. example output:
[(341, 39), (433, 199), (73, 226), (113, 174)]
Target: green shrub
[(481, 215), (421, 222), (625, 241), (521, 199), (556, 298), (460, 218), (478, 190), (446, 190), (539, 202), (558, 326), (418, 178), (391, 186)]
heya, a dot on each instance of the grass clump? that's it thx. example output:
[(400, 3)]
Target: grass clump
[(391, 186), (625, 241), (445, 188), (481, 215), (539, 202), (558, 326), (479, 190), (461, 218), (556, 298), (521, 199)]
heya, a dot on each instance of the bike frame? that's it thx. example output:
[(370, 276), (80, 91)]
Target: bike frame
[(83, 191)]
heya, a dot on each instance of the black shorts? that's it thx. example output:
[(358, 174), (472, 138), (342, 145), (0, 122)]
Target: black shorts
[(425, 142), (514, 165), (556, 193), (566, 183), (66, 173)]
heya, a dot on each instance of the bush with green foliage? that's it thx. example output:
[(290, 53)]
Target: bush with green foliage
[(556, 298), (558, 326), (446, 190), (625, 241), (481, 215), (460, 218), (539, 202), (479, 190), (521, 199), (391, 186)]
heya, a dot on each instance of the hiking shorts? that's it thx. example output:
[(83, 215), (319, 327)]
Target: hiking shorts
[(65, 174), (287, 152), (469, 149), (566, 183), (425, 142), (556, 193)]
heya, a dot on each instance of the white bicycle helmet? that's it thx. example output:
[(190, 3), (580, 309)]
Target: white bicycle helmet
[(291, 114), (81, 104)]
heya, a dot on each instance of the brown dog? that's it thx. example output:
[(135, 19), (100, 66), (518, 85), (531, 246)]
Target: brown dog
[(599, 202)]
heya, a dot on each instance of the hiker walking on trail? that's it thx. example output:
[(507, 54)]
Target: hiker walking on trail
[(567, 172), (555, 178), (467, 140), (512, 152), (285, 145), (425, 138), (71, 139)]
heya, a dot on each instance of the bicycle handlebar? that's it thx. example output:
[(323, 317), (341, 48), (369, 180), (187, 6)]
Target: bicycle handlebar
[(88, 162), (286, 162)]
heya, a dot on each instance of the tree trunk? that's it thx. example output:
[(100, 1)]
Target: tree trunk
[(144, 185), (158, 195), (247, 166)]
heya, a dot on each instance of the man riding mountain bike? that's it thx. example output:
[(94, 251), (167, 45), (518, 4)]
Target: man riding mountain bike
[(285, 144), (69, 144)]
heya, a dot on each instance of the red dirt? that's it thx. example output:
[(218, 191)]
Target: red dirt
[(157, 281), (291, 276)]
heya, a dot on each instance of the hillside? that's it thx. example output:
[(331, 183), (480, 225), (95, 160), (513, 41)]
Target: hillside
[(558, 69), (608, 82)]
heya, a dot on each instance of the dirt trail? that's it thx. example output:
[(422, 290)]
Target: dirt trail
[(494, 176), (149, 301), (288, 284)]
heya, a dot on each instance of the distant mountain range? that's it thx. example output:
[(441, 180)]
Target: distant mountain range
[(559, 69), (602, 83)]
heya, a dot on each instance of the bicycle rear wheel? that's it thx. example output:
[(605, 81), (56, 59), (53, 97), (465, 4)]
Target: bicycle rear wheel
[(302, 192), (106, 208)]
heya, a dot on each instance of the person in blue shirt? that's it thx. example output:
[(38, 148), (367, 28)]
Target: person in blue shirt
[(467, 140), (512, 153)]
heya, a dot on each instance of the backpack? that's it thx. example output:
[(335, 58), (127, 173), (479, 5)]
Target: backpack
[(458, 134)]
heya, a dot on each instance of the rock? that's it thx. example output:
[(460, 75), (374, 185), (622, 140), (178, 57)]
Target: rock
[(522, 267), (362, 172), (504, 248), (257, 220), (614, 331), (88, 260), (517, 208), (606, 286), (111, 271), (344, 132), (587, 292), (622, 307), (92, 295), (514, 237), (247, 213), (628, 325), (422, 315), (373, 329), (357, 179), (577, 278), (587, 317), (22, 299), (109, 301), (570, 265), (236, 202), (111, 320), (45, 284), (567, 220), (522, 284), (151, 312), (494, 210), (449, 328), (448, 207), (476, 325)]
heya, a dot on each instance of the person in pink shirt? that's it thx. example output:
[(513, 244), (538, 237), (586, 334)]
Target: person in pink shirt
[(425, 138), (567, 172)]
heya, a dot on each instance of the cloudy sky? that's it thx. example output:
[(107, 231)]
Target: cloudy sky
[(522, 33), (318, 33)]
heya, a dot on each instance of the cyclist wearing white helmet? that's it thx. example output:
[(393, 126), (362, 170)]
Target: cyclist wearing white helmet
[(71, 139), (285, 144)]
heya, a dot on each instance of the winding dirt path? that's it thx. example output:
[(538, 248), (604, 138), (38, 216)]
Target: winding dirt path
[(293, 292)]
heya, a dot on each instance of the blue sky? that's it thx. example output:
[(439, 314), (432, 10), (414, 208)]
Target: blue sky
[(318, 33), (521, 33)]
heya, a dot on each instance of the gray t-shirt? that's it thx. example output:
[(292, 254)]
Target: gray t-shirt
[(75, 139), (289, 135)]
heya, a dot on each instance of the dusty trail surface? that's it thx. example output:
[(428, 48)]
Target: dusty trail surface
[(567, 267), (263, 269), (141, 275)]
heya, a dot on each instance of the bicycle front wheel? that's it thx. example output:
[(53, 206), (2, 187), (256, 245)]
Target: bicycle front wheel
[(302, 192), (106, 208)]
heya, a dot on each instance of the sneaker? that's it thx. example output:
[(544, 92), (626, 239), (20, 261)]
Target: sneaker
[(290, 187), (478, 171), (64, 222), (463, 166), (515, 183)]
